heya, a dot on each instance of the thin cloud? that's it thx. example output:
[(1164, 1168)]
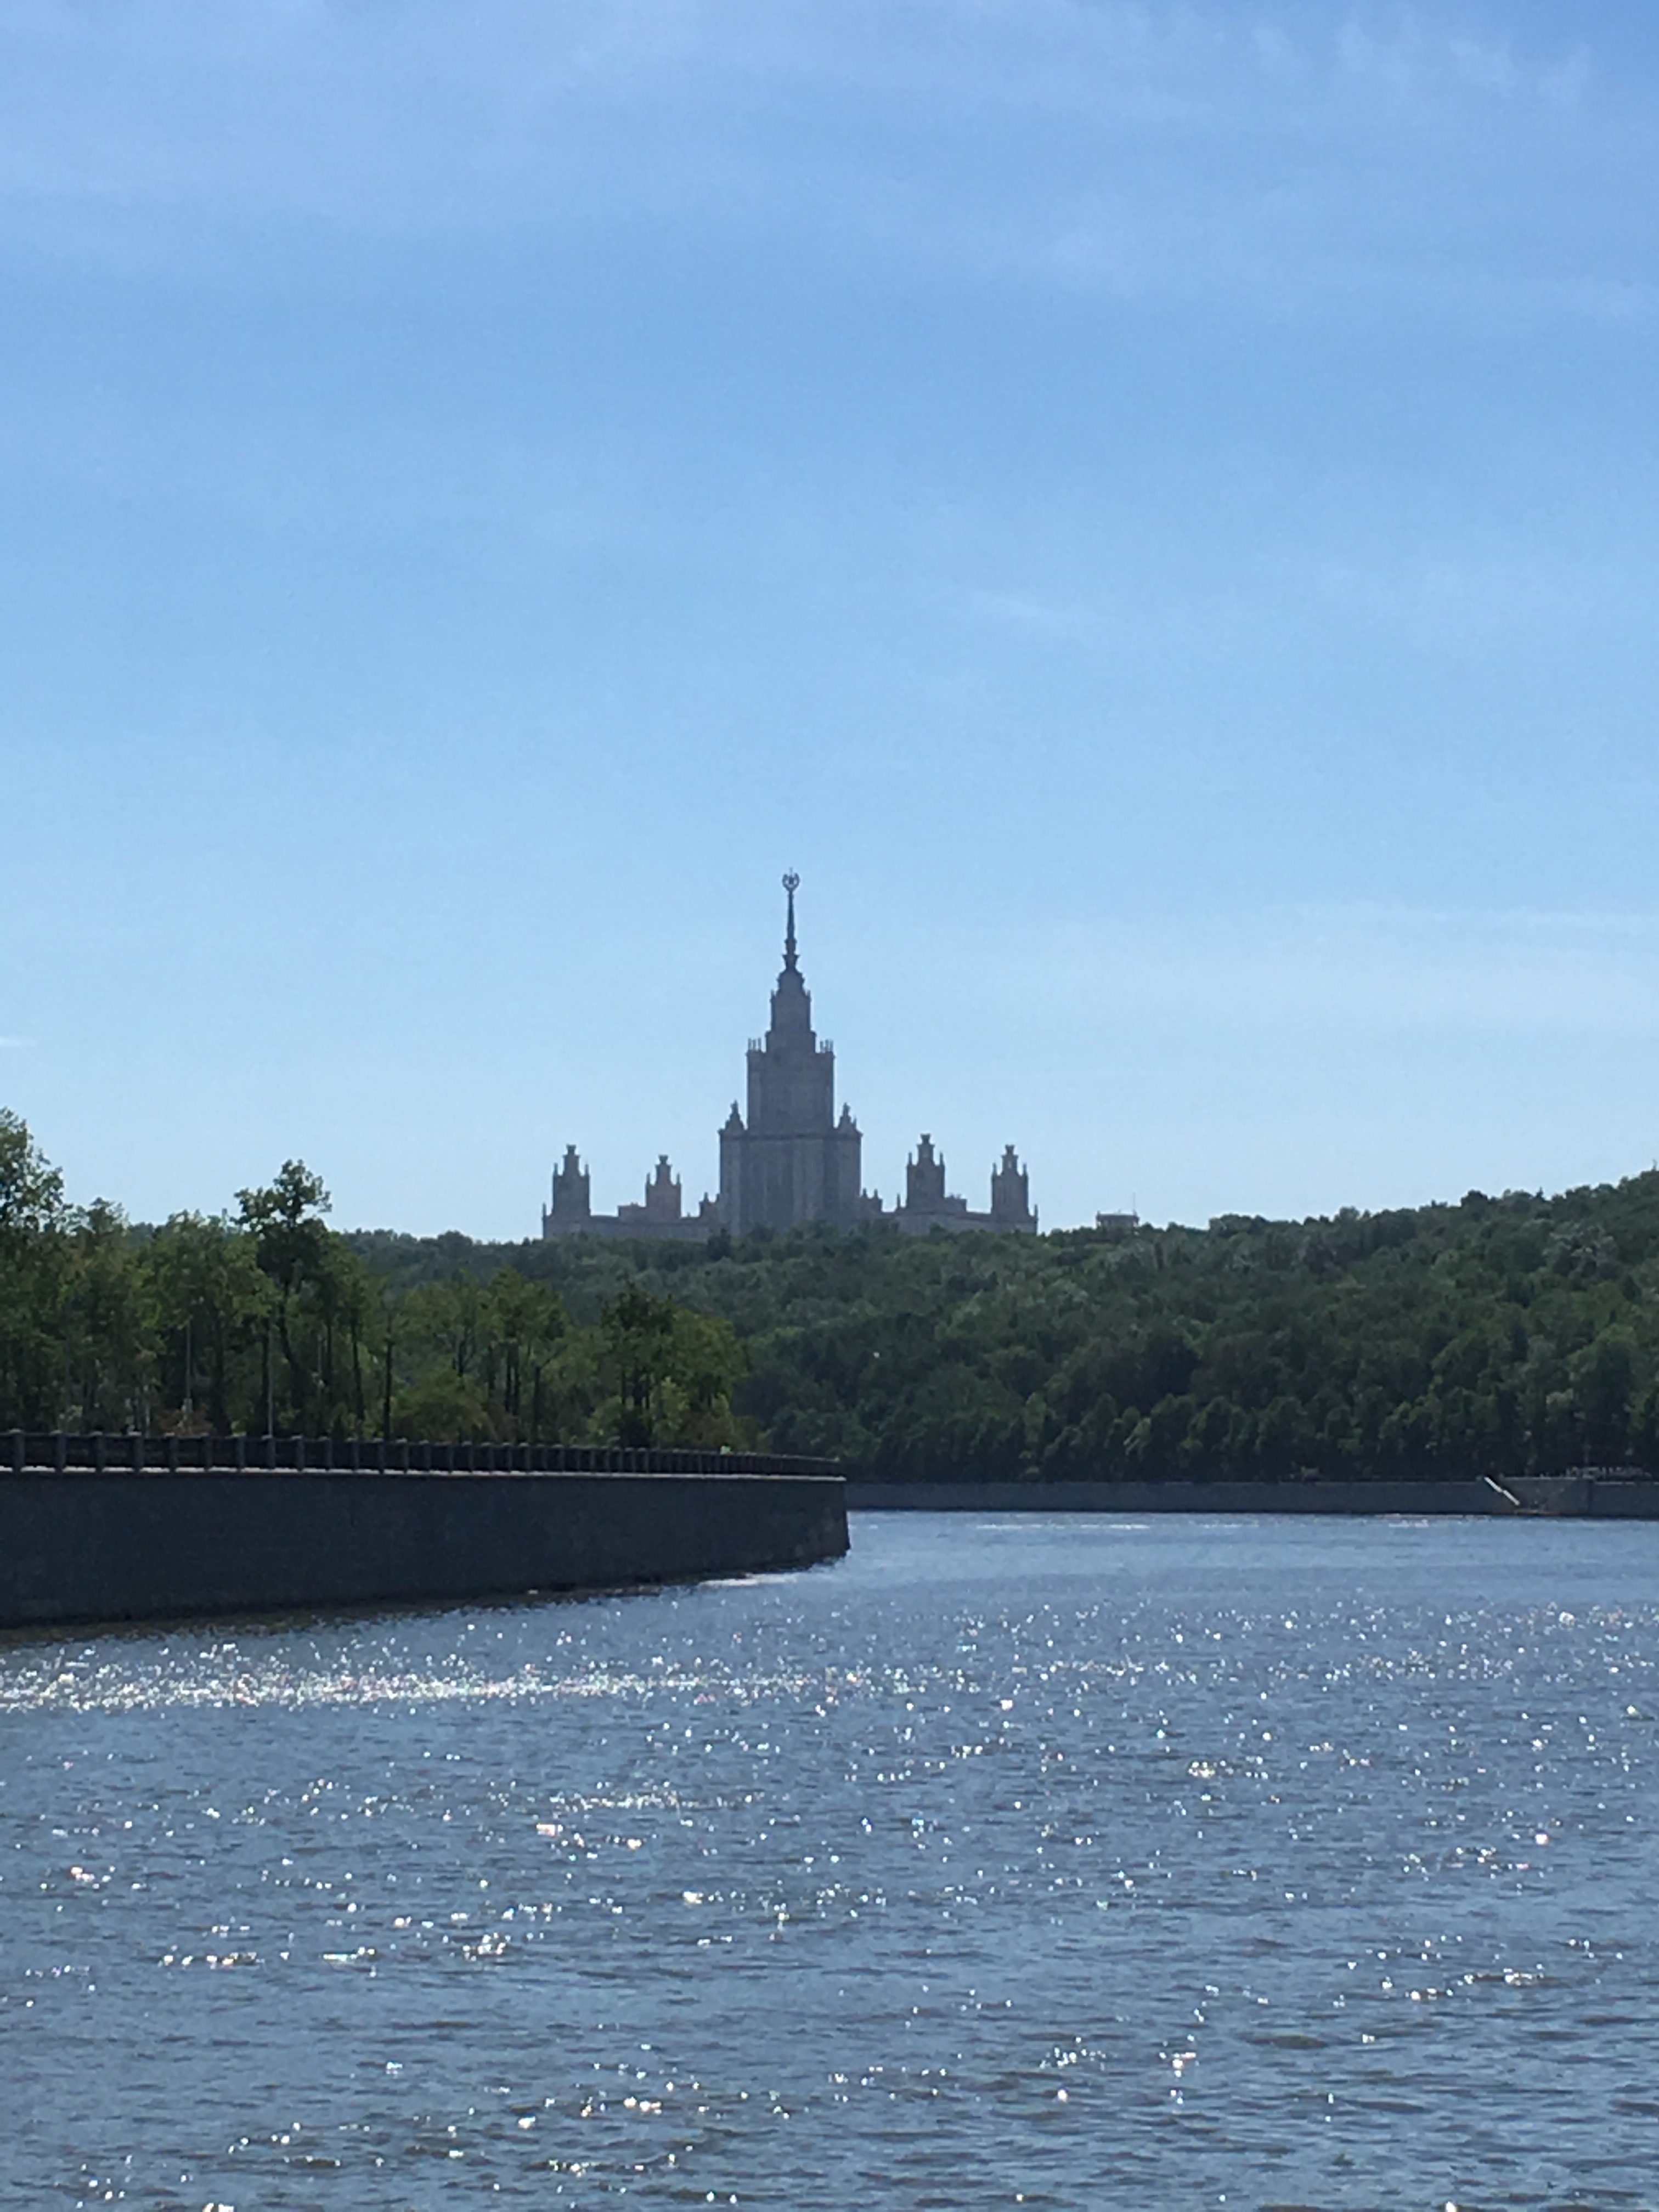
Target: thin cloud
[(1116, 147)]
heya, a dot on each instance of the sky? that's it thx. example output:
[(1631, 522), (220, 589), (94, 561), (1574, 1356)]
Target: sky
[(1150, 509)]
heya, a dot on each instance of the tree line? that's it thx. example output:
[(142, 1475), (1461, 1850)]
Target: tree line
[(1502, 1335), (1499, 1335), (264, 1319)]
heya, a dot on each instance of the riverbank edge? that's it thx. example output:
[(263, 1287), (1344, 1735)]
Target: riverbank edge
[(102, 1548), (1579, 1497)]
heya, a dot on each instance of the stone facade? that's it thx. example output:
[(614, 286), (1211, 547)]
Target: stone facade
[(928, 1206), (572, 1214), (790, 1158)]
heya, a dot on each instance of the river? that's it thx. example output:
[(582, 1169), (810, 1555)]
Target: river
[(1067, 1862)]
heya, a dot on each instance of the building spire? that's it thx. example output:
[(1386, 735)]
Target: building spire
[(791, 884)]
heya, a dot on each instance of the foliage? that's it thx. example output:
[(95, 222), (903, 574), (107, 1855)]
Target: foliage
[(268, 1318), (668, 1373), (1497, 1336), (33, 1256)]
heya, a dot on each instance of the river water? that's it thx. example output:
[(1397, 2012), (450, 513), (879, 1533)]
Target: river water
[(1062, 1862)]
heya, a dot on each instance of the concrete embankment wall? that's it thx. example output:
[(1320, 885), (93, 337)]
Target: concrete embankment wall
[(89, 1546), (1576, 1497)]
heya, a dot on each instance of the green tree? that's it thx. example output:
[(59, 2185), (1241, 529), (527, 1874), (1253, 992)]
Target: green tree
[(525, 1323), (637, 1330), (211, 1302), (107, 1321), (33, 1260), (707, 1360), (668, 1373), (291, 1248), (345, 1303), (444, 1406)]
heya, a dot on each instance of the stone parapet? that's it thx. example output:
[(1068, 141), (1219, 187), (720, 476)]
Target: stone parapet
[(81, 1545)]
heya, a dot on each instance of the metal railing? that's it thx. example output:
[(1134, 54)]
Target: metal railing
[(107, 1452)]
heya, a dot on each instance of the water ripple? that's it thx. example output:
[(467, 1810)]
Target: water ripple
[(1011, 1863)]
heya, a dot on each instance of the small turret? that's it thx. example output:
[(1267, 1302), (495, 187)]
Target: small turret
[(572, 1205), (1011, 1193), (924, 1179), (662, 1193)]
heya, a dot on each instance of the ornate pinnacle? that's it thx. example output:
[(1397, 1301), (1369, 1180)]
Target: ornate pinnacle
[(791, 884)]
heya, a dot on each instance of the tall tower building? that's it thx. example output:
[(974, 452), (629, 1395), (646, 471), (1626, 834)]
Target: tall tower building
[(792, 1160)]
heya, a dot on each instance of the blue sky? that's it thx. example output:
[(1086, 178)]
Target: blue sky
[(1152, 510)]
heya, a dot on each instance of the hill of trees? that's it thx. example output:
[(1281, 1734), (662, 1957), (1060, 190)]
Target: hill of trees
[(1507, 1336), (1502, 1335)]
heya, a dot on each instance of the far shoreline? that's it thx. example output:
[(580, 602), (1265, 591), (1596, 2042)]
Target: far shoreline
[(1598, 1495)]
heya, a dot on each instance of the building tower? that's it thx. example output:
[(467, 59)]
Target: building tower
[(1011, 1193), (926, 1199), (572, 1208), (792, 1160), (662, 1193)]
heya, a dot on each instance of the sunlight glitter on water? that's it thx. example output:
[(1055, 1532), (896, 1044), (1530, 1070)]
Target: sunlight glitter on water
[(1168, 1863)]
